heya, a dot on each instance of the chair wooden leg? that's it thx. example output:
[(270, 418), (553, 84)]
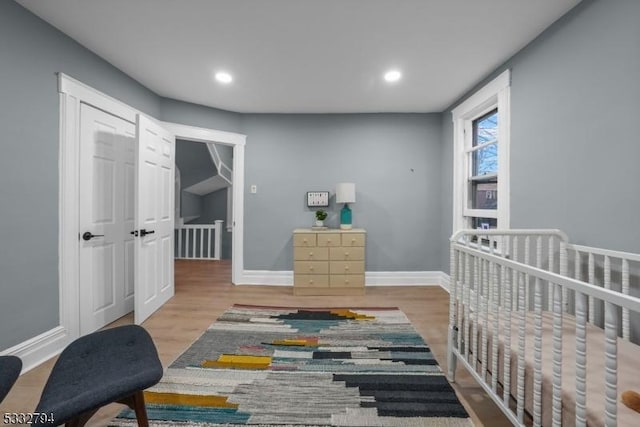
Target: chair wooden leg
[(136, 403)]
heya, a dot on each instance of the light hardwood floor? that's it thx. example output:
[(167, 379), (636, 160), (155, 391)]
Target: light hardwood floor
[(204, 291)]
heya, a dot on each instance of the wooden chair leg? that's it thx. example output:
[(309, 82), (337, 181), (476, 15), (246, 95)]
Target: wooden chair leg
[(136, 403)]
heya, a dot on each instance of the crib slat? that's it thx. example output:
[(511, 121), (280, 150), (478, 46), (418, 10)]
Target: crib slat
[(522, 320), (463, 286), (495, 309), (515, 279), (564, 271), (537, 355), (626, 333), (506, 372), (610, 364), (477, 286), (557, 356), (592, 280), (485, 318), (577, 274), (550, 268), (180, 242), (607, 272), (581, 359), (453, 300), (467, 302), (527, 261)]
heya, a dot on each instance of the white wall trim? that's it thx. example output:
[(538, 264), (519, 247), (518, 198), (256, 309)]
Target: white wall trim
[(238, 141), (39, 349), (198, 134), (494, 94), (372, 278), (266, 277), (445, 281), (402, 278), (479, 99)]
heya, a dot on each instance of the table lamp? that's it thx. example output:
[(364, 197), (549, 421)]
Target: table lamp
[(345, 193)]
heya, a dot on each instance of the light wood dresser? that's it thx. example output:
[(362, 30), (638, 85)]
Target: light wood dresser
[(328, 262)]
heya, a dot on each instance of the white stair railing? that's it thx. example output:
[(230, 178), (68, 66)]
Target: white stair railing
[(199, 241)]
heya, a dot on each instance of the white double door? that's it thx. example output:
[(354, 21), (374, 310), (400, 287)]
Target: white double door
[(126, 218)]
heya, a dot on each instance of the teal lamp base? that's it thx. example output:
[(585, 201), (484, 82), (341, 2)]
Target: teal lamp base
[(345, 218)]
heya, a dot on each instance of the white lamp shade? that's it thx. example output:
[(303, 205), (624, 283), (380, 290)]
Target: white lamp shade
[(346, 192)]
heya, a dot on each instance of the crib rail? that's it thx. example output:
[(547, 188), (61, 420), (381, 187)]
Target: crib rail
[(501, 280), (606, 268)]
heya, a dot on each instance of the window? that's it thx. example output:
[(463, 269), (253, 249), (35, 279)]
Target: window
[(481, 158)]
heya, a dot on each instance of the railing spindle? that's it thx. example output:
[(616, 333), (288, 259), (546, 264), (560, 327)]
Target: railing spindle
[(610, 364), (557, 356), (581, 359), (537, 356), (522, 332)]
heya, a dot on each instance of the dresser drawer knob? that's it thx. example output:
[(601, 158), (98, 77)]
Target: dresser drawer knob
[(346, 281), (311, 268), (346, 254), (353, 240), (346, 267), (310, 254), (311, 281)]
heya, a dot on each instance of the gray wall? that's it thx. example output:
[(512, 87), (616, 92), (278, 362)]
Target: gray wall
[(394, 160), (214, 207), (31, 52), (194, 161), (197, 115), (574, 144)]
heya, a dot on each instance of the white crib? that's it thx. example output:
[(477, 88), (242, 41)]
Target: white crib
[(544, 325)]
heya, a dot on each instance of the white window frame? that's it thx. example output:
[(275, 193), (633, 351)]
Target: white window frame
[(495, 94)]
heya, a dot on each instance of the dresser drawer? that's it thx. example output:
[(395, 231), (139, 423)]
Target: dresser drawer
[(311, 267), (346, 281), (346, 267), (301, 253), (311, 281), (329, 239), (304, 239), (346, 254), (353, 239)]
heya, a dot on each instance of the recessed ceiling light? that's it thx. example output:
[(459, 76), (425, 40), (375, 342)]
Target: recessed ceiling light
[(392, 76), (224, 77)]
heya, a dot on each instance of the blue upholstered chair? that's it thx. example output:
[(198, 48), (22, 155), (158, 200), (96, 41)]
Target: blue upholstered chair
[(10, 367), (113, 365)]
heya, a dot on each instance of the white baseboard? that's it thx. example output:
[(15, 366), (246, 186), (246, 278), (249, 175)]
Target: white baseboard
[(402, 278), (444, 281), (40, 348), (372, 278), (266, 277)]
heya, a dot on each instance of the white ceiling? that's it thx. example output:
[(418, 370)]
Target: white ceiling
[(305, 56)]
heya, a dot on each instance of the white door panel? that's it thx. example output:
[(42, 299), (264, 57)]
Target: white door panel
[(154, 283), (106, 197)]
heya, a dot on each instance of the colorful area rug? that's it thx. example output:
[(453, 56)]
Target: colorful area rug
[(266, 366)]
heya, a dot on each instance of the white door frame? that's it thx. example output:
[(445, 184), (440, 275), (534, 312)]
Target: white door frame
[(72, 94), (237, 141)]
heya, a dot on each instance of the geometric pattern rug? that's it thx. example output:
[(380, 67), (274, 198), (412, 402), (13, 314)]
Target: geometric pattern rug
[(271, 366)]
